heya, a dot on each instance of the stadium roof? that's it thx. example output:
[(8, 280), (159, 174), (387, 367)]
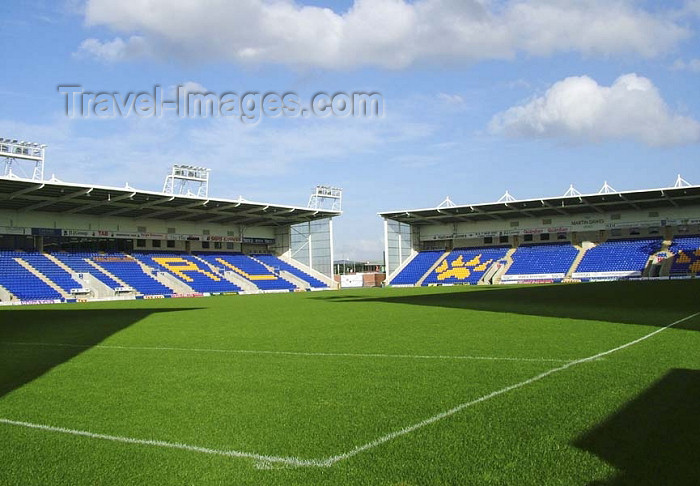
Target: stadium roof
[(569, 205), (54, 196)]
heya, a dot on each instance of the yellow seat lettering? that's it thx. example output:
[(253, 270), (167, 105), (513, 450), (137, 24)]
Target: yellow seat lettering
[(179, 266)]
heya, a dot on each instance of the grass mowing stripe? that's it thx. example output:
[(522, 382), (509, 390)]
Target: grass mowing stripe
[(286, 353), (263, 460)]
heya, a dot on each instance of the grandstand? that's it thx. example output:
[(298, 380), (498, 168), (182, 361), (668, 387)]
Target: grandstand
[(65, 242), (609, 235)]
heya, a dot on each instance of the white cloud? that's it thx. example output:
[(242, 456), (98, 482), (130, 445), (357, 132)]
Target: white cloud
[(115, 50), (451, 99), (692, 65), (186, 88), (277, 148), (579, 109), (387, 33), (141, 150)]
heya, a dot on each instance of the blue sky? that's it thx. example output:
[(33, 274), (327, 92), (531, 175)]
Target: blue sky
[(480, 97)]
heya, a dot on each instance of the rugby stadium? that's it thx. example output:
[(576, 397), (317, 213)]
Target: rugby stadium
[(582, 370)]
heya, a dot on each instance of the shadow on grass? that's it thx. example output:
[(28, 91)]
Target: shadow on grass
[(21, 363), (655, 438), (654, 303)]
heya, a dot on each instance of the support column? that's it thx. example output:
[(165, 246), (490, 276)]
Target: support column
[(668, 233), (39, 244)]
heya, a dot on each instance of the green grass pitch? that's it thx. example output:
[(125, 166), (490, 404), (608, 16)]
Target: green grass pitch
[(450, 385)]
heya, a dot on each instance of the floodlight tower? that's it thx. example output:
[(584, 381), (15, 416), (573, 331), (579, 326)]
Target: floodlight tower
[(19, 157), (187, 180), (326, 197)]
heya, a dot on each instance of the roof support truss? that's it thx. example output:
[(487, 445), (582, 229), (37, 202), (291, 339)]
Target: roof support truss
[(50, 202)]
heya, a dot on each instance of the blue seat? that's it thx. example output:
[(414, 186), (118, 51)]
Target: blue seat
[(77, 262), (189, 270), (416, 268), (465, 265), (248, 268), (687, 255), (541, 259), (22, 283), (619, 256), (130, 272), (277, 264), (50, 270)]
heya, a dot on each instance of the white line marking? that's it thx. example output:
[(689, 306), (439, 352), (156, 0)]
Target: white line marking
[(406, 430), (265, 461), (292, 461), (285, 353)]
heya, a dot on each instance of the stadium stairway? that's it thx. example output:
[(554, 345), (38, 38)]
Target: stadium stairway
[(666, 267), (302, 271), (618, 259), (415, 268), (432, 268), (667, 263), (311, 278), (6, 295), (298, 282), (98, 268), (65, 279), (541, 261), (495, 275), (249, 269), (22, 283), (659, 264), (128, 270), (399, 269), (166, 279), (87, 281), (170, 281), (246, 285), (581, 253), (59, 263), (187, 270), (45, 279)]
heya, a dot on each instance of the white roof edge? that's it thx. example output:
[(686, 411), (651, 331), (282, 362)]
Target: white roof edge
[(549, 198), (162, 194)]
